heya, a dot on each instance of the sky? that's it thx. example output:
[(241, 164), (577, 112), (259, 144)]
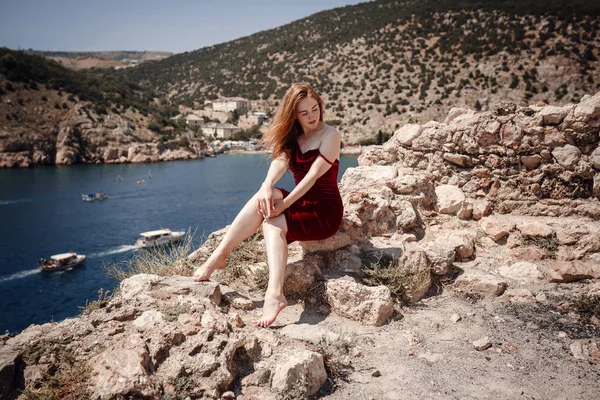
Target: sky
[(152, 25)]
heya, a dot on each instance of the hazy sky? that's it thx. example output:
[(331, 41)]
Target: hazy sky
[(165, 25)]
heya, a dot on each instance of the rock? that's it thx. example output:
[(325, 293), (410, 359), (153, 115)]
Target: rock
[(301, 275), (596, 186), (406, 134), (570, 271), (348, 260), (482, 208), (407, 217), (449, 199), (455, 318), (440, 256), (305, 367), (567, 156), (372, 176), (482, 344), (414, 267), (531, 162), (376, 373), (552, 115), (370, 305), (122, 369), (306, 332), (9, 360), (585, 349), (460, 159), (535, 230), (477, 282), (431, 357), (522, 271), (466, 211), (260, 377), (495, 229), (337, 241), (228, 395), (518, 296), (149, 320), (595, 158)]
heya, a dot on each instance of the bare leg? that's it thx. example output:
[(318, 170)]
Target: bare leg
[(275, 230), (245, 224)]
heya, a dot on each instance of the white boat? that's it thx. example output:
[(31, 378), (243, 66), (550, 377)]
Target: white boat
[(62, 261), (158, 237), (93, 196)]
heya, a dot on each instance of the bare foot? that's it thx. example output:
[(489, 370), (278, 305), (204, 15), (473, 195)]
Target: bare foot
[(205, 270), (271, 309)]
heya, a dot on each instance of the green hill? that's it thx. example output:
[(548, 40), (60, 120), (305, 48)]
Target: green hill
[(384, 63)]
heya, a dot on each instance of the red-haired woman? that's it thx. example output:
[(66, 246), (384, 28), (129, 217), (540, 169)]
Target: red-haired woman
[(301, 141)]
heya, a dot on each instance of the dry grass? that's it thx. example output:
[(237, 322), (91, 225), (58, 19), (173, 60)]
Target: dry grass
[(66, 377), (334, 350), (104, 296), (163, 261), (387, 274), (588, 307), (250, 251)]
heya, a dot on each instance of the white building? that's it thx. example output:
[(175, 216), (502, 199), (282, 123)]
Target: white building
[(193, 120), (229, 104), (218, 130)]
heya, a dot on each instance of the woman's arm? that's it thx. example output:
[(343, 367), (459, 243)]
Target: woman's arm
[(266, 200), (330, 149)]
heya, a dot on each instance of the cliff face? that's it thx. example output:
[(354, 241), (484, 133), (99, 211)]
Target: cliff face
[(36, 133), (494, 215)]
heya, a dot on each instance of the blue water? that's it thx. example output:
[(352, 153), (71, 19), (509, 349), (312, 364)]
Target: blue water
[(42, 213)]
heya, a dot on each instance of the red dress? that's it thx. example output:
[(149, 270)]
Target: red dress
[(318, 214)]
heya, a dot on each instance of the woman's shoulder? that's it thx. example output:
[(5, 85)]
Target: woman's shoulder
[(330, 131)]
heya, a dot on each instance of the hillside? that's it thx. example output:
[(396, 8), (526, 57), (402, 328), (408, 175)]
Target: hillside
[(101, 59), (385, 63), (52, 115)]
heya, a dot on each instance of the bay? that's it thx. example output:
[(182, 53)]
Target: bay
[(42, 213)]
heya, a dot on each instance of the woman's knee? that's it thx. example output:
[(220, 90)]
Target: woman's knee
[(276, 224)]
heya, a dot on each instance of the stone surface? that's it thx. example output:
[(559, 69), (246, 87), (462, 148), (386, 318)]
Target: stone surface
[(370, 305), (449, 199), (305, 368), (524, 271)]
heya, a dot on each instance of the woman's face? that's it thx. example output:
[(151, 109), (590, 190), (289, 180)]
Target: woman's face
[(308, 113)]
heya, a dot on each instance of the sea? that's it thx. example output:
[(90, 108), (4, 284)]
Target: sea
[(42, 213)]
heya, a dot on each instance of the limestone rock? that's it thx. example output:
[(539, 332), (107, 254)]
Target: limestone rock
[(121, 370), (477, 282), (9, 360), (522, 271), (337, 241), (449, 199), (305, 367), (568, 156), (553, 115), (406, 134), (370, 305)]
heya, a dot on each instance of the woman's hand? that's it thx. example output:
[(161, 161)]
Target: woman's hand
[(265, 201), (278, 208)]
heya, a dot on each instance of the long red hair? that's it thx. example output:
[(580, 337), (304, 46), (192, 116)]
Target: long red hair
[(282, 136)]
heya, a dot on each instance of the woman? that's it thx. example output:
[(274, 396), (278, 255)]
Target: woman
[(301, 141)]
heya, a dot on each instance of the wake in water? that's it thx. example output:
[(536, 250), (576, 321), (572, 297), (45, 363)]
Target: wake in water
[(116, 250), (7, 202), (18, 275)]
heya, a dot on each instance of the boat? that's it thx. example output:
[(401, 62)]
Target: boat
[(62, 261), (159, 237), (93, 196)]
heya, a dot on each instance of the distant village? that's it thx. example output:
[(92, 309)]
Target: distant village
[(217, 126)]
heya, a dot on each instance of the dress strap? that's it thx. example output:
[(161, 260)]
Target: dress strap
[(325, 158)]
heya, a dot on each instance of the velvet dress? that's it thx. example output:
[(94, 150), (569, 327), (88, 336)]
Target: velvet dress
[(318, 214)]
